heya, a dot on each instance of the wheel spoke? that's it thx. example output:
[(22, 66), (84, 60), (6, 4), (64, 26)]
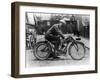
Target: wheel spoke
[(41, 51), (77, 51)]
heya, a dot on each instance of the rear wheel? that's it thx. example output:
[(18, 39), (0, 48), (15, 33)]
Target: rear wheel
[(77, 51), (42, 51)]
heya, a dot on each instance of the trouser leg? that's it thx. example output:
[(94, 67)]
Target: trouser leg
[(55, 41)]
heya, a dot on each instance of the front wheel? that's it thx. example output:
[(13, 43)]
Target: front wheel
[(42, 51), (77, 50)]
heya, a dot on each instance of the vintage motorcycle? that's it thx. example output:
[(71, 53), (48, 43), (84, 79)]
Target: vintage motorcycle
[(44, 49)]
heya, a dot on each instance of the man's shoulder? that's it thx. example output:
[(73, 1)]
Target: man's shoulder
[(56, 25)]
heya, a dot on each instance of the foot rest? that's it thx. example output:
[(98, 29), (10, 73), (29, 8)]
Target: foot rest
[(78, 38)]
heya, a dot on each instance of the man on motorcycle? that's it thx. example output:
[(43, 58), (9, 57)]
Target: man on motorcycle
[(54, 33)]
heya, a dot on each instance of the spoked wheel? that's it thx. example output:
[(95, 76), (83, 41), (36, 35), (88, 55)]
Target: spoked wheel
[(42, 51), (77, 51)]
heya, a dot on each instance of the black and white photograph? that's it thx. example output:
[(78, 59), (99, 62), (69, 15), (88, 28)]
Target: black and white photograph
[(54, 39), (51, 39)]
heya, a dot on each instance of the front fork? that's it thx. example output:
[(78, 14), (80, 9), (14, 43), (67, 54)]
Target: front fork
[(69, 43), (75, 45)]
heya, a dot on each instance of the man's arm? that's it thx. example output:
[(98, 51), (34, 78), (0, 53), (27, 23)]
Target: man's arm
[(59, 31)]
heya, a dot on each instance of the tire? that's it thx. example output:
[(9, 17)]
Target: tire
[(78, 52), (39, 54)]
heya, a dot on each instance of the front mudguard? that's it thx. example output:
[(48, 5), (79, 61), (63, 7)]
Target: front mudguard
[(75, 42)]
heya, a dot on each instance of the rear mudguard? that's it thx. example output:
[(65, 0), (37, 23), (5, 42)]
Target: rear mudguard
[(46, 42), (40, 42)]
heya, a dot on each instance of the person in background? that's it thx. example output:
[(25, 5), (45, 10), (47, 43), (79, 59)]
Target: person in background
[(85, 23), (33, 37), (74, 25)]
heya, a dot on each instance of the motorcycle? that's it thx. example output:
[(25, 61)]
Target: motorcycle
[(44, 49)]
